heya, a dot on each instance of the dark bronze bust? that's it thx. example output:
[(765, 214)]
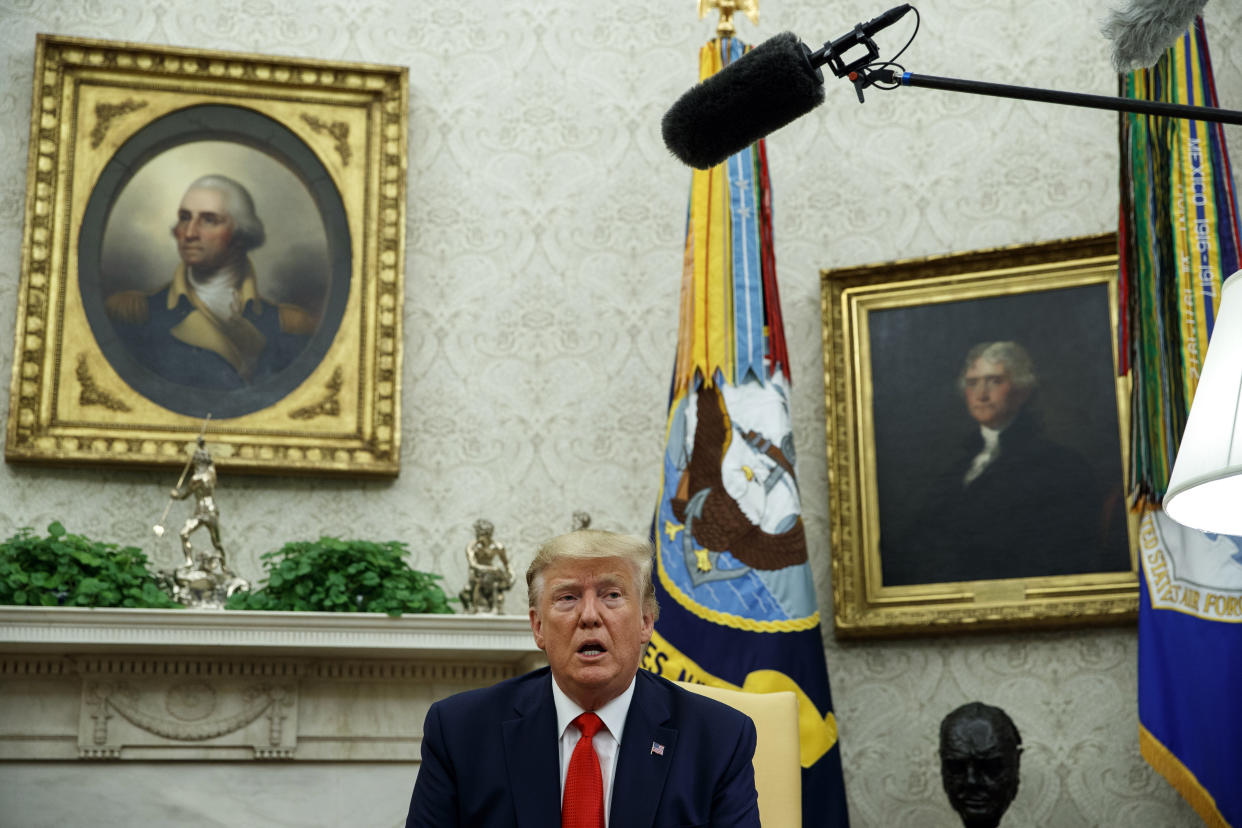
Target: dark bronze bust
[(979, 752)]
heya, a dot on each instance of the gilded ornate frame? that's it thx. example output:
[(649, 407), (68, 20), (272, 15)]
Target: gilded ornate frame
[(967, 288), (101, 110)]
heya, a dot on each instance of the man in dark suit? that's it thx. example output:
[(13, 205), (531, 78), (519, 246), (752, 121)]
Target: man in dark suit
[(512, 754)]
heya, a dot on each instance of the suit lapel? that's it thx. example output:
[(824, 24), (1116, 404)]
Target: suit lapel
[(641, 772), (532, 759)]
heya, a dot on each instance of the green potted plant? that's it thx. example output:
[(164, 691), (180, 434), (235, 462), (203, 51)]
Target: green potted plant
[(74, 571), (334, 575)]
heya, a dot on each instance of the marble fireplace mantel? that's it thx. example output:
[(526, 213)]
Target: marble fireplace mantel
[(157, 685)]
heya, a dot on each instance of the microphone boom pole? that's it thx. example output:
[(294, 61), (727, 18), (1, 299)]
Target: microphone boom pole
[(1030, 93), (861, 74)]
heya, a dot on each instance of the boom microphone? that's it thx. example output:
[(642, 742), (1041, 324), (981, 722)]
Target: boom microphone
[(771, 85)]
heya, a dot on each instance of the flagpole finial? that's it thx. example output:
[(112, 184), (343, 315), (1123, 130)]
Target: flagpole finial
[(725, 28)]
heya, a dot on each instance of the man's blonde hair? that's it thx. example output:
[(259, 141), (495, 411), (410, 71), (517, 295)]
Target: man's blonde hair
[(595, 543)]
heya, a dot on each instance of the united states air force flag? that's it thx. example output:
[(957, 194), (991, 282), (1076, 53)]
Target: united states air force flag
[(737, 599), (1190, 664)]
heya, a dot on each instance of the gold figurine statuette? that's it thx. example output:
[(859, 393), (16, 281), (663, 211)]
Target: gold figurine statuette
[(490, 573)]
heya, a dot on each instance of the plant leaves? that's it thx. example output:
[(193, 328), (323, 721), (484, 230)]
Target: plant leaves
[(331, 574), (73, 570)]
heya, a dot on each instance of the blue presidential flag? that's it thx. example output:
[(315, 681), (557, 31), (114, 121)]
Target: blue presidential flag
[(737, 599)]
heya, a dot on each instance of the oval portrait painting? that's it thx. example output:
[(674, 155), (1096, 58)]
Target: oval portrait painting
[(215, 261)]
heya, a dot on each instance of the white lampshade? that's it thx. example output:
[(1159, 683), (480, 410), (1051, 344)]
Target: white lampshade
[(1205, 489)]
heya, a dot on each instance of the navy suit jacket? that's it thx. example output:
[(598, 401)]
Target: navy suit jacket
[(490, 758)]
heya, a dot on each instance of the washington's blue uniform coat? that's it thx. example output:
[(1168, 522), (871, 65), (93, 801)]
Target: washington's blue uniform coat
[(153, 344)]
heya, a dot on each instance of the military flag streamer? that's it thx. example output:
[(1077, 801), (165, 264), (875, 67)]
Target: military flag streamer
[(1179, 240), (737, 599)]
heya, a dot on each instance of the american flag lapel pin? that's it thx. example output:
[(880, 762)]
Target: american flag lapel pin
[(657, 749)]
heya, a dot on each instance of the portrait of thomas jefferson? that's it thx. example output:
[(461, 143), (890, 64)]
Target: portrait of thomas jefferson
[(209, 325), (1012, 501)]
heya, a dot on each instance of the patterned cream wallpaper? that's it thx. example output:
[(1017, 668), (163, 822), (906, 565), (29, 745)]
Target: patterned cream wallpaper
[(543, 260)]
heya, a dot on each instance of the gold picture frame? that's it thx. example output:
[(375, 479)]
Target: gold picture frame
[(1048, 541), (119, 132)]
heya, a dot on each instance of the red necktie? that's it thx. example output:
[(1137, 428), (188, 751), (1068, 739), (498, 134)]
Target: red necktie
[(583, 806)]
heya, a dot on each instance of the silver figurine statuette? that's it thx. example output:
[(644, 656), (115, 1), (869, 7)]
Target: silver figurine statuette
[(204, 580)]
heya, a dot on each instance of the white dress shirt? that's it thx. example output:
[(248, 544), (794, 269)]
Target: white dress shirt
[(991, 449), (607, 742)]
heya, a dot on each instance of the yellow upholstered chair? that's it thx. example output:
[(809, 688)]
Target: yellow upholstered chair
[(778, 763)]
